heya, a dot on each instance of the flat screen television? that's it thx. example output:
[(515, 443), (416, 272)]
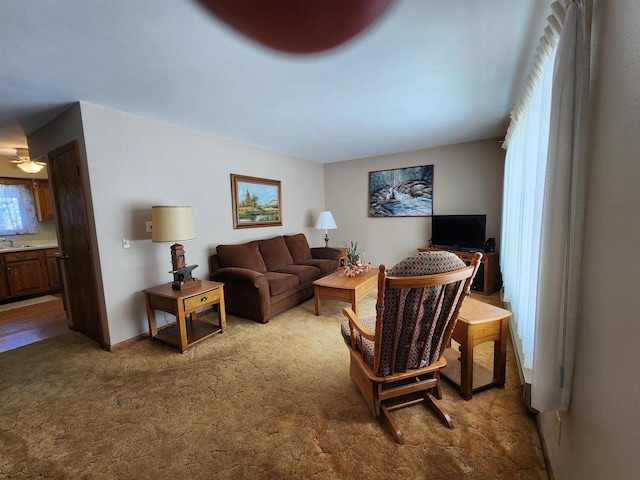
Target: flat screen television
[(459, 232)]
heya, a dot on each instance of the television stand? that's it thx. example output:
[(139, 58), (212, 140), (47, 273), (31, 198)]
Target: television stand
[(488, 279)]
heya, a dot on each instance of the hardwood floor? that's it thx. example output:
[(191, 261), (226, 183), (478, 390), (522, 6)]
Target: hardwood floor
[(30, 324)]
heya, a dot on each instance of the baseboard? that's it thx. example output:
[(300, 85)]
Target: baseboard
[(545, 450), (128, 342)]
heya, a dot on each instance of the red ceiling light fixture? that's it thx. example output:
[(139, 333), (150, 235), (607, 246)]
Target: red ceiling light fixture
[(298, 26)]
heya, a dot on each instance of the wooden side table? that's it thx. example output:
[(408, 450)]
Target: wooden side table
[(478, 323), (488, 271), (184, 303), (343, 255)]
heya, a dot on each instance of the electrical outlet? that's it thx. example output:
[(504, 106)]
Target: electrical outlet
[(557, 427), (126, 243), (148, 227)]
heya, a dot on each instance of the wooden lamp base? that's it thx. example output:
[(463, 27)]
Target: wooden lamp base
[(186, 285), (182, 278)]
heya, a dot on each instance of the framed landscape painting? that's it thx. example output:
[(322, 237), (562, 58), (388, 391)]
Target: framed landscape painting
[(401, 192), (256, 202)]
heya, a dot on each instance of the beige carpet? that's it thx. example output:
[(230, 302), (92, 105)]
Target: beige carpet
[(26, 303), (268, 401)]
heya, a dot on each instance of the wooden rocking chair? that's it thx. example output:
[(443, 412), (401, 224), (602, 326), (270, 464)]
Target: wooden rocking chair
[(397, 355)]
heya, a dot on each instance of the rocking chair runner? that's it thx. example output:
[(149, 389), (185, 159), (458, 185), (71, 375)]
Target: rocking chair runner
[(397, 355)]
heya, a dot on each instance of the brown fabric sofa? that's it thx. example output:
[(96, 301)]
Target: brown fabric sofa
[(265, 277)]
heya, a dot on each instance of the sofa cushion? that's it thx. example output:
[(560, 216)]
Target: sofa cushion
[(305, 273), (244, 255), (324, 264), (275, 253), (280, 282), (298, 247)]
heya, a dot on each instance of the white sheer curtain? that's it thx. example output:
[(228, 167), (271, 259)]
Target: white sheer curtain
[(526, 144), (543, 207), (563, 216), (17, 210), (525, 165)]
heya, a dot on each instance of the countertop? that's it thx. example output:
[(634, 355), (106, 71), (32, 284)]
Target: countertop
[(21, 246)]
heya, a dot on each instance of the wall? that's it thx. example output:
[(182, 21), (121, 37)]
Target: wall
[(599, 436), (134, 163), (46, 231), (467, 180)]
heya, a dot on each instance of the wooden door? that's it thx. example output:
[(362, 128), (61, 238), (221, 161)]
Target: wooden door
[(74, 241)]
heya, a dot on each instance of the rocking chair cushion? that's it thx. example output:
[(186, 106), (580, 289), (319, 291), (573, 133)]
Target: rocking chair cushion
[(364, 345), (422, 263), (426, 263)]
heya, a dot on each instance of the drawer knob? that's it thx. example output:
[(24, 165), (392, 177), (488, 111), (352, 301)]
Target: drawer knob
[(203, 299)]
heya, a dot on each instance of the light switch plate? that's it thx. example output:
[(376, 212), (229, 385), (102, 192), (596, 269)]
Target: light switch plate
[(126, 243)]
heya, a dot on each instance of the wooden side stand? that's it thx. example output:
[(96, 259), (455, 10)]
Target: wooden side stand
[(184, 304), (478, 323), (490, 271)]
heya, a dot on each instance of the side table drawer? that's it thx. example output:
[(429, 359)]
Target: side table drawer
[(202, 299)]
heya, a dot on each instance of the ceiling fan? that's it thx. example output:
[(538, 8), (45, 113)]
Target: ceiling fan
[(24, 162)]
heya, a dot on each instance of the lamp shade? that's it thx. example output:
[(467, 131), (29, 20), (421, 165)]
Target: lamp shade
[(172, 224), (30, 167), (326, 221)]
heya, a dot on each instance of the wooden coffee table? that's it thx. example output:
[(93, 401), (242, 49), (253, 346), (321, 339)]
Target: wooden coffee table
[(344, 289)]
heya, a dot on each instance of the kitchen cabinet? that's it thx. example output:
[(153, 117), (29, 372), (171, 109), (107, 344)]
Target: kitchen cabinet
[(24, 273), (28, 272), (53, 271), (44, 205), (4, 289)]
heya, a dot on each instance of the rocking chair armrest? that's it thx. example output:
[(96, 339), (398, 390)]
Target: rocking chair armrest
[(355, 322)]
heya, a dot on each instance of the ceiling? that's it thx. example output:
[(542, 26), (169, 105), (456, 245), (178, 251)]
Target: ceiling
[(428, 73)]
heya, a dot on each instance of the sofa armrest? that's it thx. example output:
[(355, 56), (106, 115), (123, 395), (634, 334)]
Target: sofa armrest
[(326, 252), (246, 292), (240, 275)]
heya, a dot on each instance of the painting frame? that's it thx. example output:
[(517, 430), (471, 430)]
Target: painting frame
[(260, 195), (401, 192)]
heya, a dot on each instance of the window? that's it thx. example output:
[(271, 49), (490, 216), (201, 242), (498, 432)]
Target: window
[(544, 204), (525, 168), (17, 210)]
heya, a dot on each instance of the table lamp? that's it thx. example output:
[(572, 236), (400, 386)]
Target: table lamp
[(326, 222), (175, 224)]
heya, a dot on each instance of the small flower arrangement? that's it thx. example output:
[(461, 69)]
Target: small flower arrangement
[(355, 266)]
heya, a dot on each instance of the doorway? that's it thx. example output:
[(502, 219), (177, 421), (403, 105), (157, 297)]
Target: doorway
[(74, 241)]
